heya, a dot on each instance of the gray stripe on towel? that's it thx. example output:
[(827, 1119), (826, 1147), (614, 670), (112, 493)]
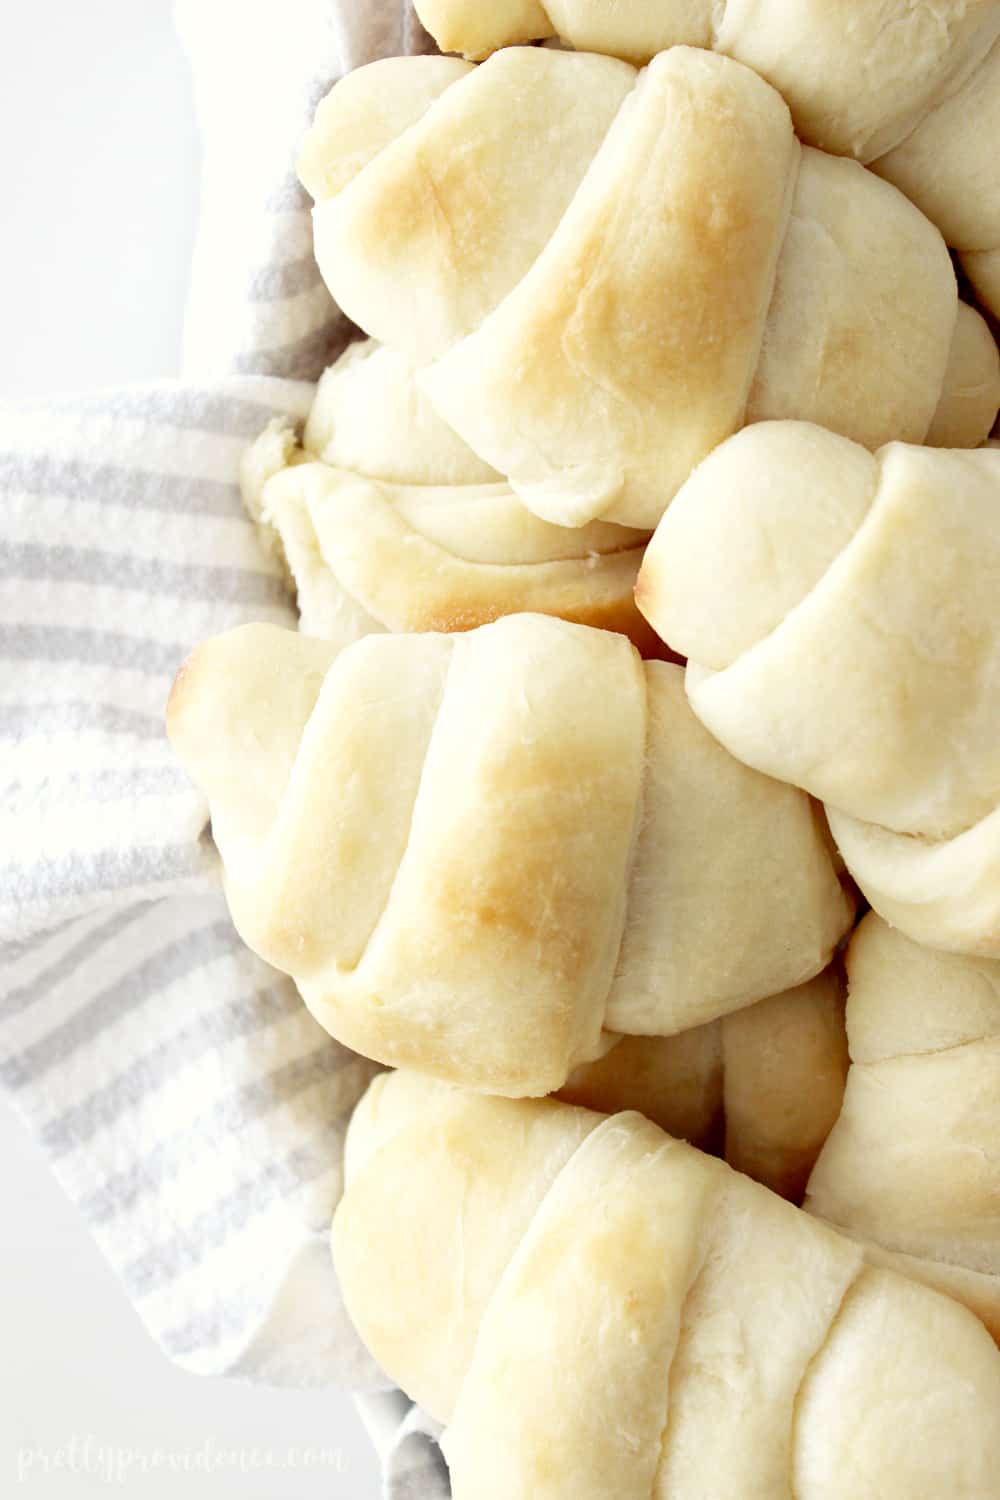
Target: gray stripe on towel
[(73, 716), (66, 965), (233, 1113), (166, 1262), (191, 409), (103, 870), (155, 576), (106, 648), (302, 359), (178, 959), (273, 283), (212, 1030), (133, 488)]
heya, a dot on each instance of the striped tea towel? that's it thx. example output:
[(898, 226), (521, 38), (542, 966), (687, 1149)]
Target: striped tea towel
[(188, 1103)]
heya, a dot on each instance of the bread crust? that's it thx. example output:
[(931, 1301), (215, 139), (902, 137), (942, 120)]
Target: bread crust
[(908, 1166), (594, 1308), (841, 617), (679, 267), (473, 852)]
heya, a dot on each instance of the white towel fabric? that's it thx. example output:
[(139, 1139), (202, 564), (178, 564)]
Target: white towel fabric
[(190, 1106)]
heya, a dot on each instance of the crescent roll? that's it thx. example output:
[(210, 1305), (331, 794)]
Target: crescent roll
[(914, 90), (475, 852), (387, 521), (841, 616), (597, 1310), (605, 273), (911, 1164), (764, 1085)]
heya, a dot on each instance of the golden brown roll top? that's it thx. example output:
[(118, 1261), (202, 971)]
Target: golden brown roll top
[(859, 79), (442, 220), (912, 89), (387, 521), (596, 1309), (475, 852), (841, 615), (626, 352), (910, 1166), (763, 1084), (611, 272)]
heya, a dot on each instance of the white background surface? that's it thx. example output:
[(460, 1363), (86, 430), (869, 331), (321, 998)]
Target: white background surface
[(99, 163)]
